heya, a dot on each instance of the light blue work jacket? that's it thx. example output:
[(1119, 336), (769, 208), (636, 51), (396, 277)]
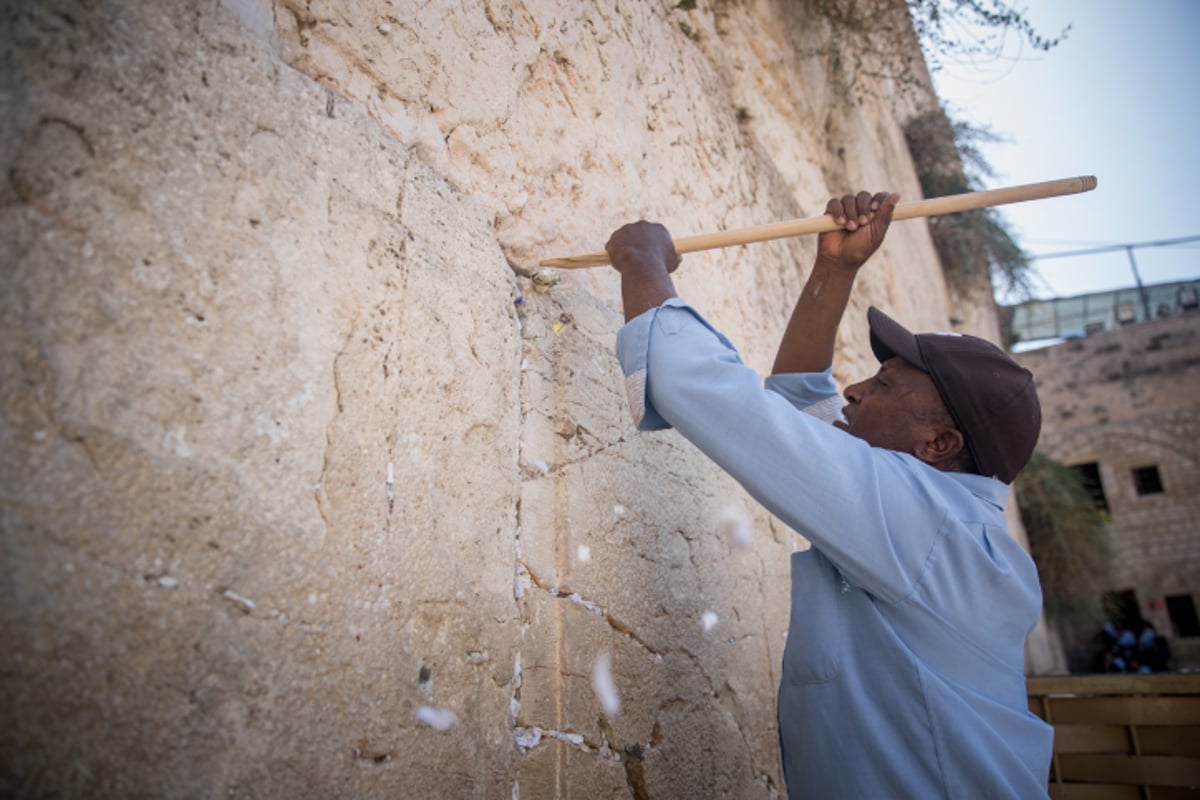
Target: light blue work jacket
[(903, 670)]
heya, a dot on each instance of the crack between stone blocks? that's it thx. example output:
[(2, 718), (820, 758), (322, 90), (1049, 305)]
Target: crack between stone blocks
[(557, 469), (762, 617), (319, 495), (525, 738), (712, 691), (529, 737), (565, 593), (632, 759), (737, 718)]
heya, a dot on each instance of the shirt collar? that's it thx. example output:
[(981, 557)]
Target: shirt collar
[(990, 490)]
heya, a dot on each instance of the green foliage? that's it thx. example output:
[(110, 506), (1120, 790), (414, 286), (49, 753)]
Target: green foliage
[(890, 45), (970, 31), (948, 160), (870, 41), (1071, 543)]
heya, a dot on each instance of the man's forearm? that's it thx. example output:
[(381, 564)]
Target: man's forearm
[(644, 289), (645, 256), (808, 342)]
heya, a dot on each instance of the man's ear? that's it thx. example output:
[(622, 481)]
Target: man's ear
[(940, 446)]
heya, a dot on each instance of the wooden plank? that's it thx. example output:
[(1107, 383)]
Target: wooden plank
[(1125, 769), (1092, 739), (1175, 740), (1154, 740), (1092, 791), (1101, 791), (1172, 793), (1163, 683), (1134, 710)]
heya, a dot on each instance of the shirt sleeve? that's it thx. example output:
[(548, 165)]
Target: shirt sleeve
[(813, 393), (867, 509)]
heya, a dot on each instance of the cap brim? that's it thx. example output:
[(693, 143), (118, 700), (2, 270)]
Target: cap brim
[(889, 339)]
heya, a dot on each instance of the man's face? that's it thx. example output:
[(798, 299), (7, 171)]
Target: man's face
[(894, 408)]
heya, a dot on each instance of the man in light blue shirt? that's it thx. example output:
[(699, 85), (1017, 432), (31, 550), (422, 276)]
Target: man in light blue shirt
[(903, 670)]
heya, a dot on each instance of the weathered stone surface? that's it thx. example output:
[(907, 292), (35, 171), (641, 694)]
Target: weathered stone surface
[(290, 449)]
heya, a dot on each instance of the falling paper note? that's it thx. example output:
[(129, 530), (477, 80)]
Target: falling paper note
[(440, 719), (735, 525), (603, 686), (585, 554), (709, 620)]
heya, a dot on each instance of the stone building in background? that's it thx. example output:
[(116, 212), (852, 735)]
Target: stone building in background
[(1122, 405)]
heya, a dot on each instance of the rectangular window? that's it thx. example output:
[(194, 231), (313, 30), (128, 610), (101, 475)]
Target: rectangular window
[(1090, 473), (1147, 480), (1125, 313), (1188, 300), (1182, 610)]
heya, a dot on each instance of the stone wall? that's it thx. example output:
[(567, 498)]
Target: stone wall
[(292, 454), (1126, 399)]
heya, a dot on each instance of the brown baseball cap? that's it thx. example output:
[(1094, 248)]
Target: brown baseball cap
[(991, 398)]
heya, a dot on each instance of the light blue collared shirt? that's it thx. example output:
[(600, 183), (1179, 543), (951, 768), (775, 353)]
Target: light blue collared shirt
[(903, 671)]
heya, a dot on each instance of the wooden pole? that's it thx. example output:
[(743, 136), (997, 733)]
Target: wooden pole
[(949, 204)]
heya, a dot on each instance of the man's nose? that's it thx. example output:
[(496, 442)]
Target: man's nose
[(853, 392)]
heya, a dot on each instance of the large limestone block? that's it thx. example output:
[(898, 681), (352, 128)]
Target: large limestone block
[(250, 347), (622, 551)]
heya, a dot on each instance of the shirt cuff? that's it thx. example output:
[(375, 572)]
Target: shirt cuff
[(633, 351), (814, 393)]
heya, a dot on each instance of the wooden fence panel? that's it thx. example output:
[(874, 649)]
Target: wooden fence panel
[(1097, 791), (1135, 710), (1121, 737), (1091, 739), (1179, 740), (1136, 770), (1093, 791)]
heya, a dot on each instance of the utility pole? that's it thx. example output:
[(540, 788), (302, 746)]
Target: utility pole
[(1138, 278)]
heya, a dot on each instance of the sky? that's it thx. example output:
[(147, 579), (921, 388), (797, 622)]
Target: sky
[(1118, 98)]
